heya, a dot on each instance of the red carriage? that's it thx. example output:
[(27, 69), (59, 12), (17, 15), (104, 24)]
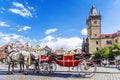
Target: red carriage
[(3, 55), (84, 66)]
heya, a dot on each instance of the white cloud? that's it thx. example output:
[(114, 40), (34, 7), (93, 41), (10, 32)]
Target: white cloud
[(21, 10), (49, 38), (4, 24), (84, 31), (15, 36), (49, 31), (59, 42), (31, 8), (6, 38), (24, 28), (18, 4), (53, 42)]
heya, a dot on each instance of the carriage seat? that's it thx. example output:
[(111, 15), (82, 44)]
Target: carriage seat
[(60, 57), (78, 56), (75, 56)]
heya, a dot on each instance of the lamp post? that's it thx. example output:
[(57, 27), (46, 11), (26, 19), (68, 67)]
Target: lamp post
[(115, 52), (117, 57)]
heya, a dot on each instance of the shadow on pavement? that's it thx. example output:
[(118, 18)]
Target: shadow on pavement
[(57, 74), (3, 73)]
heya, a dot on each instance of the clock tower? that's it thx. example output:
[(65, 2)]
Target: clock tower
[(94, 30)]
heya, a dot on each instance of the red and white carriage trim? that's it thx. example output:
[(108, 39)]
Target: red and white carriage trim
[(84, 66)]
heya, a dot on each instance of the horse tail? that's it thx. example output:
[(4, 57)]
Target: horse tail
[(29, 60)]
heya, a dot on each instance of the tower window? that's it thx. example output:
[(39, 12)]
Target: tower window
[(97, 42), (116, 41), (108, 42), (97, 48), (95, 34), (95, 22)]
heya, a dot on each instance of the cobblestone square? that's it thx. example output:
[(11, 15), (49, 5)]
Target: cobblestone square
[(103, 73)]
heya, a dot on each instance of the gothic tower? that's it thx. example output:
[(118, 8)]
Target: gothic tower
[(94, 30)]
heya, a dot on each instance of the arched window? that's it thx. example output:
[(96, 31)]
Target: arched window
[(95, 34), (116, 41), (108, 42), (97, 48), (97, 42)]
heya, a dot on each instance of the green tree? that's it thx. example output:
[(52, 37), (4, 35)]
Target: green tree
[(102, 53), (107, 52), (116, 49), (37, 48), (98, 54)]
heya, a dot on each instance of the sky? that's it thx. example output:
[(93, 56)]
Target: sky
[(56, 23)]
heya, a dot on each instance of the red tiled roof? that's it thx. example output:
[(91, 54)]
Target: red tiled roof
[(111, 35), (2, 47), (106, 35), (2, 53)]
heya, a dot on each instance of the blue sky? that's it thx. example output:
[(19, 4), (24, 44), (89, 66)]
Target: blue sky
[(56, 23)]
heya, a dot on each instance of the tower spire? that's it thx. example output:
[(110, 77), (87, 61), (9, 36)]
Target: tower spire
[(83, 45), (93, 11)]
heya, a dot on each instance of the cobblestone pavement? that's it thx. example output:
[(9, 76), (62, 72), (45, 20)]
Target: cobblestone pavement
[(60, 76), (102, 74)]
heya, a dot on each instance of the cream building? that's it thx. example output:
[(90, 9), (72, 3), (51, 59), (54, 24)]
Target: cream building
[(95, 39)]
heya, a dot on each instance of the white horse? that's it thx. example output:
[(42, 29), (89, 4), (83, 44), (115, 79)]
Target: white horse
[(35, 58), (23, 57)]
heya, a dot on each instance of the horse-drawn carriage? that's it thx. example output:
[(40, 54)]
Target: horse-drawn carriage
[(47, 60), (84, 66)]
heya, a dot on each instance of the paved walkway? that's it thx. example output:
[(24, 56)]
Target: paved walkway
[(59, 76), (107, 70), (4, 67), (103, 73), (99, 69)]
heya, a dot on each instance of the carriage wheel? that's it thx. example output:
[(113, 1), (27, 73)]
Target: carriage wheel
[(87, 68), (53, 67), (44, 68)]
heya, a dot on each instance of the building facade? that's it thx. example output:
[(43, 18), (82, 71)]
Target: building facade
[(95, 39)]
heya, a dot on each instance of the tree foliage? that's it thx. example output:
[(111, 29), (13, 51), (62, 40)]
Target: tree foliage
[(107, 52)]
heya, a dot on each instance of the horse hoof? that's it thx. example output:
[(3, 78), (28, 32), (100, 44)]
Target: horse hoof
[(11, 73), (38, 72), (20, 71), (7, 73), (26, 73)]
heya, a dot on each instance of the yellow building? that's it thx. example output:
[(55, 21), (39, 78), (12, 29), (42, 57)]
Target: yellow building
[(95, 39)]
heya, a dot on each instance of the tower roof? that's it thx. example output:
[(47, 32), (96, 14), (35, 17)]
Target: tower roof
[(93, 11)]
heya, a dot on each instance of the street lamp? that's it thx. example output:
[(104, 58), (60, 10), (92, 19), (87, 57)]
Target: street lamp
[(117, 57), (115, 52)]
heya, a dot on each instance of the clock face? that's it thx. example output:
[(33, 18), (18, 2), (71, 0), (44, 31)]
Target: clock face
[(95, 22)]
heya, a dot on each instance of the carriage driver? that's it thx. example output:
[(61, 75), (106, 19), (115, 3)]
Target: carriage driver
[(47, 50), (17, 46)]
